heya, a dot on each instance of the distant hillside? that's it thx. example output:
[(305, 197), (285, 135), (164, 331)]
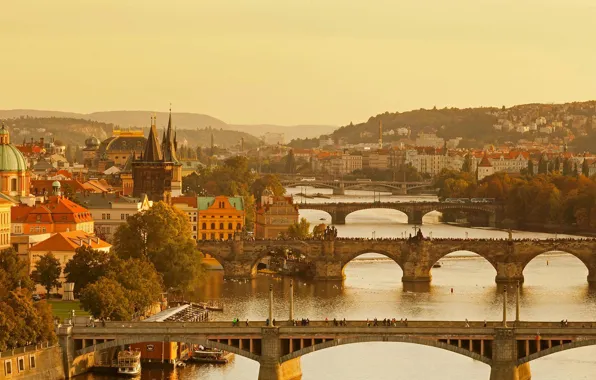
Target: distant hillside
[(182, 120), (73, 131)]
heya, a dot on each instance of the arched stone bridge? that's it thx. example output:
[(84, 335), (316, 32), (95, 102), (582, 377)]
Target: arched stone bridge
[(508, 350), (415, 257), (340, 186), (414, 210)]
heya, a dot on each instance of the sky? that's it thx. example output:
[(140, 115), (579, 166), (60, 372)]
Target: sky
[(294, 61)]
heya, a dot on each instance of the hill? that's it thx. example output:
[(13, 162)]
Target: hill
[(182, 120), (74, 131)]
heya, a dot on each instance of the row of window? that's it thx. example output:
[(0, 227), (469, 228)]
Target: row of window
[(109, 216), (20, 364), (221, 226), (214, 236), (221, 216)]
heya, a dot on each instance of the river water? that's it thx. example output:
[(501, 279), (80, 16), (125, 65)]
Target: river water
[(555, 288)]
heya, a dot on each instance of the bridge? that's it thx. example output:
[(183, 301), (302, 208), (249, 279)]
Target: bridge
[(494, 212), (507, 349), (328, 258), (340, 186)]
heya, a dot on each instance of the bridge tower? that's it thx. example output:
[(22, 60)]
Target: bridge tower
[(504, 361), (340, 189), (271, 368)]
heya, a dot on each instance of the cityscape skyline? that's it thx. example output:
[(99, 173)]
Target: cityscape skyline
[(294, 63)]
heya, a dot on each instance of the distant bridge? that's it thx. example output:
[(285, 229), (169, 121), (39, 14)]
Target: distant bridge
[(507, 350), (328, 258), (414, 210), (340, 186)]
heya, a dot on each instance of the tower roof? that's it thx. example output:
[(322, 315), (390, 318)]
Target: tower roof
[(169, 147), (152, 151), (485, 163)]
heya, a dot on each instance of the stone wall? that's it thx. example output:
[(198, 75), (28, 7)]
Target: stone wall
[(36, 364)]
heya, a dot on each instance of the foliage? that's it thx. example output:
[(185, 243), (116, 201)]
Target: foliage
[(162, 236), (142, 282), (300, 230), (268, 181), (407, 172), (319, 231), (87, 266), (47, 272), (13, 272), (290, 162), (107, 298)]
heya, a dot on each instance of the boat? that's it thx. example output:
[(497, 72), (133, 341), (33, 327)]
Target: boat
[(437, 264), (210, 355), (129, 363), (180, 364)]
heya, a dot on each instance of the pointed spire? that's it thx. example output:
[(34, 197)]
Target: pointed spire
[(152, 149), (168, 142)]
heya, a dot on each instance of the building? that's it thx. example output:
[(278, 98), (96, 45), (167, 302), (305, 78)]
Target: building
[(485, 168), (429, 140), (90, 152), (220, 218), (5, 207), (14, 176), (376, 160), (274, 216), (110, 210), (342, 164), (188, 205), (63, 246), (57, 214), (157, 172), (117, 148)]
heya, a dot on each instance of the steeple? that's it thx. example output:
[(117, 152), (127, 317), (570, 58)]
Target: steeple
[(168, 142), (4, 135), (152, 149), (380, 134)]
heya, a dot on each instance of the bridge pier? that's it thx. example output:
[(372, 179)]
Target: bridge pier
[(329, 270), (509, 273), (240, 270), (415, 217), (270, 367), (504, 357), (338, 218), (339, 191)]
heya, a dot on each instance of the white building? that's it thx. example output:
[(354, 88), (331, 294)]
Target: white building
[(429, 139)]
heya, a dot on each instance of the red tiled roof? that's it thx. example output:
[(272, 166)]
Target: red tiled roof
[(69, 241), (56, 210), (191, 201)]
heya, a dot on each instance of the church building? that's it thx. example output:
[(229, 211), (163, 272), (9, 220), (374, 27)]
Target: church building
[(158, 172)]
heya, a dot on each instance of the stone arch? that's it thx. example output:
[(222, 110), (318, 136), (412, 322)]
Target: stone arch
[(367, 185), (556, 349), (166, 338), (296, 246), (585, 260), (466, 207), (314, 208), (399, 210), (439, 254), (346, 259), (381, 338)]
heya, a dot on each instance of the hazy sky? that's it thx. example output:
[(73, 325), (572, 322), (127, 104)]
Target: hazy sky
[(294, 61)]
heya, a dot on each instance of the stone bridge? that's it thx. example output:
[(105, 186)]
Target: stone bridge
[(414, 210), (416, 257), (508, 350), (340, 186)]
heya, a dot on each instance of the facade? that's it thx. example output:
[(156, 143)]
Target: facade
[(157, 172), (5, 207), (14, 176), (57, 214), (109, 211), (220, 218), (117, 148), (341, 164), (376, 160), (63, 246), (485, 168), (274, 216), (188, 205)]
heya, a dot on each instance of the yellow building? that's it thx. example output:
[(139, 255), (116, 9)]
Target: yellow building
[(5, 207), (188, 205), (119, 147), (220, 218)]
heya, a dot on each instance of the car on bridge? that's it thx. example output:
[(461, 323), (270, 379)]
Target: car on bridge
[(457, 200)]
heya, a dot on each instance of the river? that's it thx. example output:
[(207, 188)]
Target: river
[(373, 288)]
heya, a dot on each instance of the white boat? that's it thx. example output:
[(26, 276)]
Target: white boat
[(129, 363)]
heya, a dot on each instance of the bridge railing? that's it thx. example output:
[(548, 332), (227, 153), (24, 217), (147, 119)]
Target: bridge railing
[(25, 349)]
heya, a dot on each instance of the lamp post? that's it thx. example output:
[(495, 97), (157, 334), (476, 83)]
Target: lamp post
[(291, 300), (505, 307), (270, 305), (517, 300)]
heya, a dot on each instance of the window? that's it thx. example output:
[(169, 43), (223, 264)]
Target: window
[(21, 363), (212, 236), (32, 361), (230, 226), (204, 226), (13, 184), (194, 218), (221, 226), (221, 236), (103, 216), (238, 226), (194, 228), (212, 226), (108, 216), (204, 236), (8, 367), (122, 216), (229, 236)]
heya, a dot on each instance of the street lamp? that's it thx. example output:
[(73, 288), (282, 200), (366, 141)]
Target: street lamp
[(466, 235)]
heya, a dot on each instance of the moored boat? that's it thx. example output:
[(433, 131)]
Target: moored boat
[(210, 355), (129, 363)]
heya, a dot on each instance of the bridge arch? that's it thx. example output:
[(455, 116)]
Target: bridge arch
[(581, 257), (166, 338), (557, 349), (352, 256), (397, 212), (382, 338), (467, 208)]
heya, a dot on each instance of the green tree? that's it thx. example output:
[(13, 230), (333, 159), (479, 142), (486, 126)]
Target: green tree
[(585, 167), (268, 181), (107, 298), (161, 235), (566, 167), (142, 282), (300, 230), (542, 165), (47, 272), (290, 162), (13, 273), (530, 167), (467, 165), (318, 232), (88, 266)]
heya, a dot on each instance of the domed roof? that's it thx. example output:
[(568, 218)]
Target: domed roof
[(92, 142), (56, 184), (11, 159)]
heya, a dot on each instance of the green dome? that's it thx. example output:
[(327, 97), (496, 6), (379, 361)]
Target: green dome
[(11, 159)]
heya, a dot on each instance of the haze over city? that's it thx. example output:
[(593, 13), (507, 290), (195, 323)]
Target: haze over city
[(292, 62)]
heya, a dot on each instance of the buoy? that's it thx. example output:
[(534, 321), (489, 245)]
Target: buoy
[(451, 290), (546, 262)]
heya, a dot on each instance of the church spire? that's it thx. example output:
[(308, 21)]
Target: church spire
[(152, 149), (168, 142)]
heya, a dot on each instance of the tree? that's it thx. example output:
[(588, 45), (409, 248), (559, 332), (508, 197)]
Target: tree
[(142, 282), (161, 235), (268, 181), (585, 167), (107, 298), (319, 231), (47, 272), (13, 273), (467, 165), (290, 162), (557, 165), (530, 167), (542, 165), (566, 167), (88, 266), (300, 230)]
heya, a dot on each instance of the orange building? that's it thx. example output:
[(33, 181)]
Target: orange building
[(274, 216), (58, 214), (220, 217), (14, 176)]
